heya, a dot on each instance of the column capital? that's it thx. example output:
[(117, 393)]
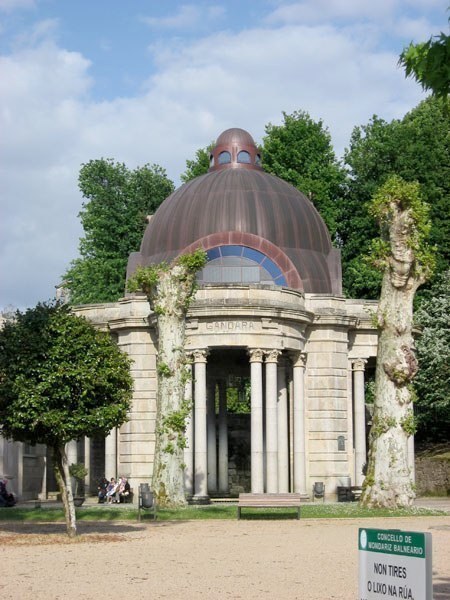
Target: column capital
[(272, 355), (359, 364), (200, 356), (299, 359), (255, 354)]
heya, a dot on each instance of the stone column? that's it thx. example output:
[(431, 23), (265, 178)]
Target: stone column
[(257, 457), (212, 438), (359, 418), (283, 430), (223, 438), (72, 452), (411, 458), (200, 421), (299, 363), (271, 422), (111, 454), (87, 464), (189, 449)]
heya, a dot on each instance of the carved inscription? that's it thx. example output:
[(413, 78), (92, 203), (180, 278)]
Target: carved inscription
[(230, 326)]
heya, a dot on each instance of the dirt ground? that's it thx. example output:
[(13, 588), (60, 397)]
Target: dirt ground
[(277, 559)]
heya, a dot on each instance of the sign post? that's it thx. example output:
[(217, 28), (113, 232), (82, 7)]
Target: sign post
[(395, 564)]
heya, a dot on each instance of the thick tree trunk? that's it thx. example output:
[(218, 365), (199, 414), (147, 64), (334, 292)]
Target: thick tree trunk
[(63, 479), (388, 480), (173, 294)]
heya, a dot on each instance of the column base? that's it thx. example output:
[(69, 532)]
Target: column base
[(200, 500)]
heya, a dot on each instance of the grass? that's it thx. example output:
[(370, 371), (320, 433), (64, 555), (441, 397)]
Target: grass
[(309, 511)]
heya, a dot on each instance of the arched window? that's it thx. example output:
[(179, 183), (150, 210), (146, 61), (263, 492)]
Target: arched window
[(239, 264), (211, 160), (258, 159), (243, 157), (224, 158)]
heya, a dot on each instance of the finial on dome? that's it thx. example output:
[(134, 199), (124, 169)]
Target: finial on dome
[(235, 148)]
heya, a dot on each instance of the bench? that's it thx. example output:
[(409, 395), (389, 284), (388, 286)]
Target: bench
[(268, 501), (348, 493)]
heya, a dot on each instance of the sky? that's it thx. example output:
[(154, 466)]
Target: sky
[(151, 82)]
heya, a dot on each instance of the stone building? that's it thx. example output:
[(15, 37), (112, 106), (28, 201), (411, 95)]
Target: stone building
[(269, 320)]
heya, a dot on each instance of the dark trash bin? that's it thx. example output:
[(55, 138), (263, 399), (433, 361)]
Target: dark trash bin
[(146, 500)]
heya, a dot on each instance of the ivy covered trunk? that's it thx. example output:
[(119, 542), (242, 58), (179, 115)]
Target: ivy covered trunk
[(170, 289), (63, 479), (172, 410), (405, 262)]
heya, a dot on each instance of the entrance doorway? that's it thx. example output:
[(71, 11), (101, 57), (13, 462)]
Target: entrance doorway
[(228, 381)]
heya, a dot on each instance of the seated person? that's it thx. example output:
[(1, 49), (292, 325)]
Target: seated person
[(6, 498), (123, 490), (102, 485), (111, 490)]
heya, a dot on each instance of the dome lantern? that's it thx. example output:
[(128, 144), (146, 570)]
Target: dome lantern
[(235, 149)]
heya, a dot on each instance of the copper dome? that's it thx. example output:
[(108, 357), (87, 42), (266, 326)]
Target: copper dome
[(236, 203)]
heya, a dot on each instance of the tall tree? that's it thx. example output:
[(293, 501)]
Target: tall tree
[(405, 259), (113, 219), (60, 379), (418, 149), (429, 63), (300, 152), (432, 384), (199, 165), (170, 289)]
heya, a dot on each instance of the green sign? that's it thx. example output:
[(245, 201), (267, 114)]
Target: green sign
[(394, 564), (393, 541)]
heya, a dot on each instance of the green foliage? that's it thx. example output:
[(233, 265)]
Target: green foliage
[(381, 425), (114, 218), (344, 510), (198, 166), (300, 152), (369, 391), (417, 148), (432, 382), (174, 425), (164, 370), (398, 195), (409, 424), (78, 471), (60, 378), (145, 279), (239, 398), (429, 64), (193, 261)]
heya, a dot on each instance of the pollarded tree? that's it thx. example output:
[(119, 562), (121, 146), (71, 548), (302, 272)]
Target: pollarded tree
[(406, 260), (60, 379), (118, 201), (170, 289), (300, 152), (418, 149)]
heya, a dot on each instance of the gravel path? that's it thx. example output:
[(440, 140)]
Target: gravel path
[(279, 559)]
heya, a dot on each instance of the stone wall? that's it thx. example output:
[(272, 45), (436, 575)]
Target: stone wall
[(433, 474)]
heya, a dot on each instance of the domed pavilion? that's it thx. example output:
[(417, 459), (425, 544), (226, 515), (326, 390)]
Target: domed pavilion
[(279, 356)]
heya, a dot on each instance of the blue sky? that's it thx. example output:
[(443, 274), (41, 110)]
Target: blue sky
[(150, 82)]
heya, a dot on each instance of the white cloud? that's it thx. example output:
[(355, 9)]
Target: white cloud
[(189, 16), (50, 125), (11, 5), (317, 11)]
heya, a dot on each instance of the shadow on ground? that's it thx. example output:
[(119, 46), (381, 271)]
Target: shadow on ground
[(83, 528), (441, 588)]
